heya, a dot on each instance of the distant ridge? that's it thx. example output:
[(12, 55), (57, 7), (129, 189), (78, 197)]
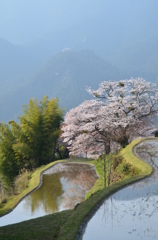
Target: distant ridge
[(64, 76)]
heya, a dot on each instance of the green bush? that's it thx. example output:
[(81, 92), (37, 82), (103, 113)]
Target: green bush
[(156, 134), (21, 181), (126, 168)]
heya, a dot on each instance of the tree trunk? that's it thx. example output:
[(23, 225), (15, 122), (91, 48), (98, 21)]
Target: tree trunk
[(124, 141), (2, 192), (58, 151), (110, 164), (107, 147), (105, 171)]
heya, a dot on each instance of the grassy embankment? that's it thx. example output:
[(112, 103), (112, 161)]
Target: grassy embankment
[(64, 225)]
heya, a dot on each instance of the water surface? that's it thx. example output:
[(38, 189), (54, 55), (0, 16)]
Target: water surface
[(63, 186), (131, 213)]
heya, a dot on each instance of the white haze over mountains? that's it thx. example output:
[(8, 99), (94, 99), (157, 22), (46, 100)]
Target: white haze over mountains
[(37, 36), (28, 20)]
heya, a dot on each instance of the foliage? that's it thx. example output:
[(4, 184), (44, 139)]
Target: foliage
[(106, 165), (21, 181), (156, 134), (116, 161), (126, 168), (2, 194), (8, 163), (62, 151), (32, 142)]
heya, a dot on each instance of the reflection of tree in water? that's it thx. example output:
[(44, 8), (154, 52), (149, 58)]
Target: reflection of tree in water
[(109, 212), (133, 211), (62, 189), (135, 219), (140, 215), (48, 196), (80, 182), (148, 151)]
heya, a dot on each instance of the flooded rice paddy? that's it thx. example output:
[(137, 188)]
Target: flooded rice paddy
[(131, 213), (63, 186)]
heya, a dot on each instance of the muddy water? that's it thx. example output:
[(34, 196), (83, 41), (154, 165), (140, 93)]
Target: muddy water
[(63, 186), (131, 213)]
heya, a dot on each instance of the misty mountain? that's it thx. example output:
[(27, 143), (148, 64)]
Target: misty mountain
[(64, 76), (123, 33), (16, 65)]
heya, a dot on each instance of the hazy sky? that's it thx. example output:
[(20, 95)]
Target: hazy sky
[(26, 20)]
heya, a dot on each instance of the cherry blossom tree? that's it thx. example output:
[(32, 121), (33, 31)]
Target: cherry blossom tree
[(120, 112), (134, 98), (88, 128)]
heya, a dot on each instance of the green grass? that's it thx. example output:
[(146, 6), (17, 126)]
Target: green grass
[(65, 224), (41, 228)]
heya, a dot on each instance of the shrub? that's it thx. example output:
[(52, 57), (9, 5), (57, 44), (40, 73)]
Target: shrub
[(126, 168), (4, 200), (21, 181), (115, 162), (156, 134)]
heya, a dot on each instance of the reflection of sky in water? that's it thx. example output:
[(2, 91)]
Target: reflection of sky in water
[(59, 191), (132, 212), (136, 219)]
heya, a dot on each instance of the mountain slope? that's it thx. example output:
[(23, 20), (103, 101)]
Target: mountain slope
[(124, 33), (16, 65), (64, 76)]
